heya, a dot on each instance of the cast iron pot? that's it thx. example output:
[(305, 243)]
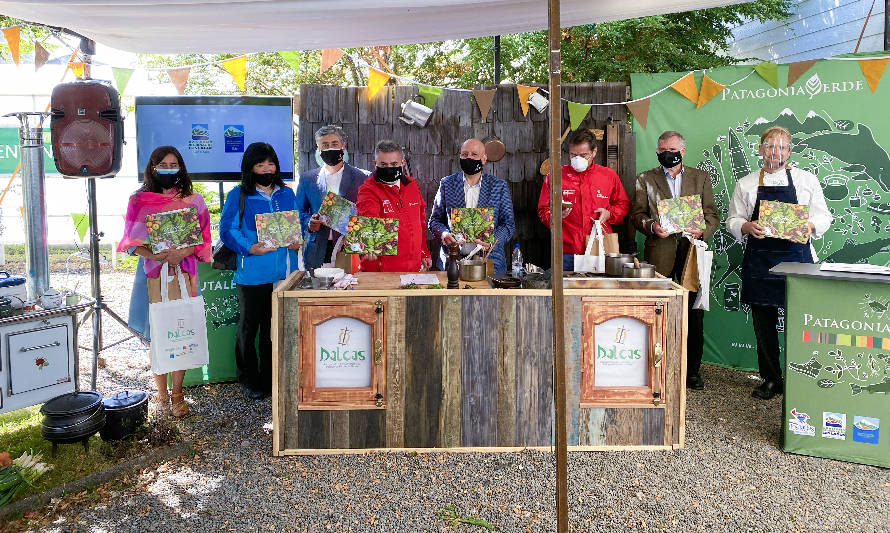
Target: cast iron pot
[(72, 417), (125, 411)]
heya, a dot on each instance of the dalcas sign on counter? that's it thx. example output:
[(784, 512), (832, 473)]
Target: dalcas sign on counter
[(343, 355), (622, 353)]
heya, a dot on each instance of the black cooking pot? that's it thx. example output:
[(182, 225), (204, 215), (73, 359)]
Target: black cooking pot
[(72, 417), (125, 411)]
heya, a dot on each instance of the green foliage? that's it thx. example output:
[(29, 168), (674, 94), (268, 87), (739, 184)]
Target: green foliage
[(453, 518), (29, 34)]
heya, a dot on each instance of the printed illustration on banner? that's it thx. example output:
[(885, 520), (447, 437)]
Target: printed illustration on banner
[(234, 137), (866, 429), (799, 425), (199, 141), (834, 425)]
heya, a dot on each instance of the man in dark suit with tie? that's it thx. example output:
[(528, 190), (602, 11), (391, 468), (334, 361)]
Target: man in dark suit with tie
[(471, 187), (336, 176), (667, 251)]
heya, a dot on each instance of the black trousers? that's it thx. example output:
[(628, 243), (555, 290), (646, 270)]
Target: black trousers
[(695, 338), (766, 317), (254, 359)]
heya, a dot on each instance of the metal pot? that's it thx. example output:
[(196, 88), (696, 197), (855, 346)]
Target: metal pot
[(615, 263), (536, 280), (472, 270), (125, 411), (72, 417), (645, 270), (415, 113)]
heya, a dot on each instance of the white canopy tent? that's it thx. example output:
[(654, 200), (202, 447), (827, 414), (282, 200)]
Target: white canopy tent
[(223, 26)]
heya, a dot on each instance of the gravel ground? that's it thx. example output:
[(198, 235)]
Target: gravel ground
[(732, 475)]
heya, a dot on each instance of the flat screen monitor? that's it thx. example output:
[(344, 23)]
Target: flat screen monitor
[(212, 132)]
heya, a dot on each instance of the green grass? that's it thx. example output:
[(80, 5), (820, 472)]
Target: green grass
[(20, 432)]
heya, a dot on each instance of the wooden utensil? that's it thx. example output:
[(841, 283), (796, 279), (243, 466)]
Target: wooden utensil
[(490, 249), (636, 263), (545, 166)]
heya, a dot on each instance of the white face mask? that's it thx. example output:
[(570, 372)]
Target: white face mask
[(579, 163)]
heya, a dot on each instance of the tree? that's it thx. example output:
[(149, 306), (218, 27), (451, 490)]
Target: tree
[(30, 34)]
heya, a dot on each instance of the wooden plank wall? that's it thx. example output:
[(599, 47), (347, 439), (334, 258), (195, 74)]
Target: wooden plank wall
[(432, 152), (475, 371)]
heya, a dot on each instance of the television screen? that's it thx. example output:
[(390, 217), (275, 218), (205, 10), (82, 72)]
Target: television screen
[(212, 132)]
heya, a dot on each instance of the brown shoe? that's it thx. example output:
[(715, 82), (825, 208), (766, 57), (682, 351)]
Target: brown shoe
[(180, 409)]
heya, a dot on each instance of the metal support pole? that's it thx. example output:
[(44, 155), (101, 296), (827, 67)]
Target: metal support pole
[(559, 367), (886, 24), (98, 305), (497, 59)]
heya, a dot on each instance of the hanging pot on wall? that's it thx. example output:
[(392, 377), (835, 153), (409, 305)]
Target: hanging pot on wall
[(125, 411), (415, 113), (72, 417)]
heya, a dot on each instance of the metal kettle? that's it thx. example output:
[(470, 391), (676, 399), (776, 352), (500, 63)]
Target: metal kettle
[(415, 113)]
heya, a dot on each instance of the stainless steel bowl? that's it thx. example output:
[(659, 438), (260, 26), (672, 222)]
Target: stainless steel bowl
[(615, 263), (645, 270), (472, 270)]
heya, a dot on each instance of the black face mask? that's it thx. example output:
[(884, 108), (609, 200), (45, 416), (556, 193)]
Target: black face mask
[(669, 159), (264, 179), (470, 166), (332, 156), (388, 175), (166, 181)]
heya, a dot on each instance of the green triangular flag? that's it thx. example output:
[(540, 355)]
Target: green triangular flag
[(293, 59), (769, 72), (81, 223), (429, 94), (577, 112), (121, 77)]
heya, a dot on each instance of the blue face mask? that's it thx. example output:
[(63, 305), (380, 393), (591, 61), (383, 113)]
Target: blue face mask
[(166, 171)]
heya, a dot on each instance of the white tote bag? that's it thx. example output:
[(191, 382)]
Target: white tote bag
[(588, 262), (178, 329)]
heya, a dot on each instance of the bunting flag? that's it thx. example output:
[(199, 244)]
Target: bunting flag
[(41, 56), (293, 59), (797, 69), (686, 87), (709, 89), (121, 78), (640, 111), (77, 69), (524, 92), (13, 36), (577, 112), (429, 94), (179, 77), (483, 100), (81, 224), (329, 56), (769, 72), (873, 69), (237, 67), (376, 80)]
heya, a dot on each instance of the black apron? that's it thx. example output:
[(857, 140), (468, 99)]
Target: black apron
[(759, 286)]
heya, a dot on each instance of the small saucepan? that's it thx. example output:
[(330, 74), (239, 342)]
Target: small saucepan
[(644, 270), (615, 263), (472, 270)]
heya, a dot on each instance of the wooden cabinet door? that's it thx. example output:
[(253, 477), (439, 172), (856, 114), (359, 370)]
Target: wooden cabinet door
[(342, 354), (623, 351)]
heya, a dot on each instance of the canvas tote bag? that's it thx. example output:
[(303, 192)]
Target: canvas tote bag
[(178, 328), (594, 257)]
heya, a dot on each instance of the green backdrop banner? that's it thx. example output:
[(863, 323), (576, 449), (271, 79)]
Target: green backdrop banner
[(839, 130), (221, 308), (9, 151)]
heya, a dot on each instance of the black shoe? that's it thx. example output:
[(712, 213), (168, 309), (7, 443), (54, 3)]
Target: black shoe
[(695, 382), (768, 389), (252, 393)]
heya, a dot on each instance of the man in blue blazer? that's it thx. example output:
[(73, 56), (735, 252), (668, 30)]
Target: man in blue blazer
[(473, 188), (334, 175)]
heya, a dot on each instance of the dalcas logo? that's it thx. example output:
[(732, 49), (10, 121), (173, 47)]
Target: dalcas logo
[(618, 350), (341, 351), (814, 86), (181, 331)]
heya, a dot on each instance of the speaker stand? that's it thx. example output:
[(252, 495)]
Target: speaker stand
[(99, 306)]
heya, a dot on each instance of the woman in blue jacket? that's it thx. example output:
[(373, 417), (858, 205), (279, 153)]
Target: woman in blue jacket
[(258, 267)]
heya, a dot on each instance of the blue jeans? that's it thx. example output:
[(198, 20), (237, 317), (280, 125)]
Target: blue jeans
[(568, 262)]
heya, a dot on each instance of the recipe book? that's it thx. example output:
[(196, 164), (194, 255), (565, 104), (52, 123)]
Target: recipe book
[(372, 235), (335, 212), (173, 229), (782, 220), (471, 223), (281, 228), (683, 213)]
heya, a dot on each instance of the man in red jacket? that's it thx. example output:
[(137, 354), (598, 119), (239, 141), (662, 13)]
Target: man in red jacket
[(389, 193), (589, 191)]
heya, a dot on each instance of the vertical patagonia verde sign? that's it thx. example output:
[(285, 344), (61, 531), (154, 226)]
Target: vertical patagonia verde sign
[(837, 401), (10, 151), (839, 133), (221, 310)]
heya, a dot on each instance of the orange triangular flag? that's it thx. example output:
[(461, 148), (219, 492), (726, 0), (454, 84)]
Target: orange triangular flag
[(524, 93), (179, 77), (640, 110), (483, 100), (237, 67), (77, 69), (686, 87), (796, 69), (41, 56), (13, 36), (329, 56), (709, 89), (376, 80), (873, 69)]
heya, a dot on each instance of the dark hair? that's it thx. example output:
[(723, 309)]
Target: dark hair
[(584, 136), (148, 183), (387, 146), (257, 153)]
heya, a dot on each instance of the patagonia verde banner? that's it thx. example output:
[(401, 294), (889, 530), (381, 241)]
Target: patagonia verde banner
[(839, 133), (221, 314), (10, 151)]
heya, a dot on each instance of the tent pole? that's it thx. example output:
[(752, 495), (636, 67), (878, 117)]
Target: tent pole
[(559, 378)]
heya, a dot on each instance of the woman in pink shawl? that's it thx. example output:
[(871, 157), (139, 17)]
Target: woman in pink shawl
[(166, 186)]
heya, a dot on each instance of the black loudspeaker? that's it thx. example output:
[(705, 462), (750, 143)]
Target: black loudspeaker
[(87, 129)]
